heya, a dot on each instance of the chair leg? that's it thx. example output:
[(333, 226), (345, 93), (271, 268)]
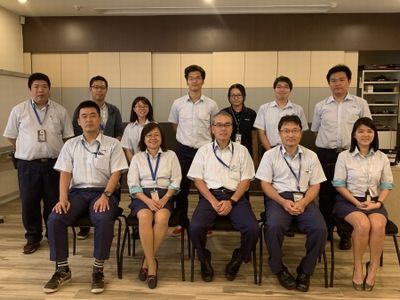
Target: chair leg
[(73, 241), (260, 266), (182, 254), (119, 261), (192, 257), (396, 244), (325, 268), (189, 243), (381, 260), (121, 256), (332, 260), (255, 264)]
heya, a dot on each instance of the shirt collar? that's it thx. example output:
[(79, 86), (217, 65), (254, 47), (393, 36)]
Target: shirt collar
[(356, 152), (200, 99), (289, 104), (347, 98), (34, 103), (136, 123), (284, 152), (230, 146), (99, 138), (148, 153)]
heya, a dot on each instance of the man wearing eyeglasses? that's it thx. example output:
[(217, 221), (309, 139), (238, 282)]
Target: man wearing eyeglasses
[(190, 116), (222, 171), (111, 121), (270, 113), (290, 177)]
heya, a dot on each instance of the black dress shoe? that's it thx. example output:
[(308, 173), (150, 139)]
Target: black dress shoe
[(302, 281), (345, 244), (207, 272), (286, 279), (152, 280), (232, 268), (31, 247)]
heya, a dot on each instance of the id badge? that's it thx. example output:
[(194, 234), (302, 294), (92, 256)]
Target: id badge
[(41, 136), (297, 196), (238, 138), (367, 196), (154, 195)]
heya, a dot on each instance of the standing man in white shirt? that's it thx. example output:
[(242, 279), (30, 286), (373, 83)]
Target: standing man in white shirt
[(37, 128), (111, 121), (269, 114), (333, 121), (190, 116), (222, 171), (90, 167)]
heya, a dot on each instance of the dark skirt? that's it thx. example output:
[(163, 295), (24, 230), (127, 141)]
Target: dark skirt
[(342, 208), (138, 204)]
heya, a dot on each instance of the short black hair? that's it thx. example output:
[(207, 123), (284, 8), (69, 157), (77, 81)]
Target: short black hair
[(337, 69), (290, 119), (146, 129), (38, 76), (221, 113), (195, 68), (98, 78), (134, 117), (240, 88), (369, 123), (87, 104), (283, 79)]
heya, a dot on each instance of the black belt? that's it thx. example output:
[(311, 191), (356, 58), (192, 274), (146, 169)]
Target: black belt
[(42, 160), (222, 190)]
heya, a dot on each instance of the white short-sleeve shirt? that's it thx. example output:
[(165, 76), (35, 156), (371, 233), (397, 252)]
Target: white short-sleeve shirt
[(238, 166), (91, 165), (334, 120), (23, 126), (193, 120), (131, 137), (269, 115), (274, 169)]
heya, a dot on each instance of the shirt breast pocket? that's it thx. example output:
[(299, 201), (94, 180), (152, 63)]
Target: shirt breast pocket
[(55, 124), (101, 162)]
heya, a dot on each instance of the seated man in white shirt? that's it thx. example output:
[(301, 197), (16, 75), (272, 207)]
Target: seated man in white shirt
[(222, 171), (290, 177), (90, 167)]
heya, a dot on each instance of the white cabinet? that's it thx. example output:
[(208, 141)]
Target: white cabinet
[(381, 90)]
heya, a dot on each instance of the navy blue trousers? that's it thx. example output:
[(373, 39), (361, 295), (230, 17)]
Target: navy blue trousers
[(278, 221), (82, 201), (37, 180), (241, 216)]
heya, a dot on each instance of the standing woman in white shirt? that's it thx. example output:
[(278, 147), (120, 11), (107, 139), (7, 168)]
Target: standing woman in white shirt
[(141, 114), (363, 179), (154, 177)]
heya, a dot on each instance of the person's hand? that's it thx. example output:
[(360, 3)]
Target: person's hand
[(369, 205), (102, 204), (290, 208), (163, 201), (300, 206), (215, 205), (224, 207), (62, 206), (361, 205), (153, 205)]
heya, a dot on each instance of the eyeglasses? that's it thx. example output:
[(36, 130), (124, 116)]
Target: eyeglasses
[(222, 125), (194, 78), (236, 96), (287, 131), (149, 136), (99, 87), (141, 106)]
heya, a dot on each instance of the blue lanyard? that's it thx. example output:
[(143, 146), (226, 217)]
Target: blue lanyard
[(87, 149), (292, 171), (37, 115), (154, 172), (219, 159)]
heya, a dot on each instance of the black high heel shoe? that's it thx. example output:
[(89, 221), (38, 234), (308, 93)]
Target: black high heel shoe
[(357, 286), (153, 279), (368, 287), (143, 271)]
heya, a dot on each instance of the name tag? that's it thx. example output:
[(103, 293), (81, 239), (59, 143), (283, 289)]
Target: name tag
[(297, 196), (238, 138), (154, 195), (41, 136)]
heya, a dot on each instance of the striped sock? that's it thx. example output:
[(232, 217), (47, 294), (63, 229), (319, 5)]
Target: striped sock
[(62, 265), (98, 265)]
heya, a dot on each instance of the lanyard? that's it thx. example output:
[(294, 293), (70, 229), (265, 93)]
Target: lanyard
[(292, 171), (88, 150), (37, 115), (219, 159), (237, 120), (154, 172)]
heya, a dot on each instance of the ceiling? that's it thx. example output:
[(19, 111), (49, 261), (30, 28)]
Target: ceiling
[(191, 7)]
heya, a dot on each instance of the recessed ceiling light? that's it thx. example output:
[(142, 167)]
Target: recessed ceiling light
[(22, 1), (208, 1)]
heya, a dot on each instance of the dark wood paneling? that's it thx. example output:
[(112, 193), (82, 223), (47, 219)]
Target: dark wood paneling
[(213, 33)]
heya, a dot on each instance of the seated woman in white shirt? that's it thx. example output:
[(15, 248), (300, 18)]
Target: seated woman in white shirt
[(141, 114), (154, 177), (363, 179)]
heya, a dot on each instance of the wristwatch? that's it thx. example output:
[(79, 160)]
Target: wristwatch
[(108, 194)]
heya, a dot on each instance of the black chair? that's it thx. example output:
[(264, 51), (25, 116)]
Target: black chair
[(84, 221), (293, 230), (343, 226), (174, 220), (222, 223)]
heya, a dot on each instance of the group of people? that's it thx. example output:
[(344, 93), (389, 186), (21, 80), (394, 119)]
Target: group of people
[(217, 150)]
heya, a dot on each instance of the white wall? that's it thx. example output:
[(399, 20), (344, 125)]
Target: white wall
[(11, 43)]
